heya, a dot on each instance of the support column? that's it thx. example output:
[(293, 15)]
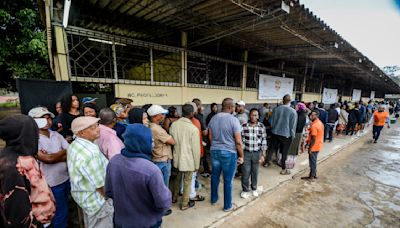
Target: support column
[(321, 87), (303, 86), (184, 59), (62, 71), (183, 66), (244, 73)]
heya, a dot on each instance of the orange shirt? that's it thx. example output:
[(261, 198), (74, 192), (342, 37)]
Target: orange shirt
[(380, 118), (197, 123), (317, 130)]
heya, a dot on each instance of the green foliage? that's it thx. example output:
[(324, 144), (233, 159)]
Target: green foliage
[(23, 45), (393, 72)]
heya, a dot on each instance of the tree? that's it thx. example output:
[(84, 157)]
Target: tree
[(393, 72), (23, 46)]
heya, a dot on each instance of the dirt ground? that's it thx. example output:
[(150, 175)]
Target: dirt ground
[(358, 187)]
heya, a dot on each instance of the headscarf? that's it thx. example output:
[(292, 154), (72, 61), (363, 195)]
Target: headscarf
[(135, 115), (138, 141), (117, 108), (301, 107), (21, 135)]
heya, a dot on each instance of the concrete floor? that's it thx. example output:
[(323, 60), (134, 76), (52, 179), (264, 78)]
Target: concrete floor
[(358, 187)]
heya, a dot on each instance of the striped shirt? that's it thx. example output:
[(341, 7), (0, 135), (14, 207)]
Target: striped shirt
[(87, 171), (254, 137)]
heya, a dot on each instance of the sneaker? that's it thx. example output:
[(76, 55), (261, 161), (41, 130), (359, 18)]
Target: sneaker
[(245, 195), (255, 193), (199, 186), (205, 175)]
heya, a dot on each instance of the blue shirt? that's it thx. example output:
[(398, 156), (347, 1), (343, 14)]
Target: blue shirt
[(223, 127)]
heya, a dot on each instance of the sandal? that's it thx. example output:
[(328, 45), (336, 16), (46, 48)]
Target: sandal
[(234, 207), (187, 206), (198, 198), (285, 172)]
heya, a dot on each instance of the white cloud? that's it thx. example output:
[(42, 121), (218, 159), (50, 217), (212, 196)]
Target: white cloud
[(371, 26)]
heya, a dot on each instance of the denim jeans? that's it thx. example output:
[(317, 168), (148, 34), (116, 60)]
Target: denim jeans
[(225, 162), (376, 131), (165, 168), (250, 170), (312, 159), (330, 127), (61, 193)]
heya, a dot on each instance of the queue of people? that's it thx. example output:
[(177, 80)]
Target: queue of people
[(125, 166)]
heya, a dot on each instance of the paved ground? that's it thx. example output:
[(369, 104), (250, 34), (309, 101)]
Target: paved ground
[(205, 215), (358, 187)]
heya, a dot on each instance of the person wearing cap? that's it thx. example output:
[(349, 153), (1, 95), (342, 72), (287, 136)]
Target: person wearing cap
[(241, 113), (87, 100), (284, 123), (186, 155), (162, 152), (87, 171), (52, 160), (243, 118), (108, 141)]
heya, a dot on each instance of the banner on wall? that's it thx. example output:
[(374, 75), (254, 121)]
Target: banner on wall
[(271, 87), (356, 95), (372, 96), (329, 96)]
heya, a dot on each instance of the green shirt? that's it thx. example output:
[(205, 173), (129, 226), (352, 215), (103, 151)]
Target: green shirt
[(87, 172)]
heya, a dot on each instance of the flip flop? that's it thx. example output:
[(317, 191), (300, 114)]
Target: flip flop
[(187, 206), (198, 198)]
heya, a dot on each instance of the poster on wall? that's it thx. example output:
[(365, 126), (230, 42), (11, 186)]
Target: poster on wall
[(356, 95), (271, 87), (372, 96), (329, 96)]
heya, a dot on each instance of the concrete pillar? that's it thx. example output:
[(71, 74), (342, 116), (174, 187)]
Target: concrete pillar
[(184, 59), (183, 67), (61, 60), (244, 73), (321, 87)]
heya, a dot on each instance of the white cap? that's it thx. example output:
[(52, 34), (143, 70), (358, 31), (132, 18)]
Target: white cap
[(155, 110), (39, 112), (41, 122), (241, 103)]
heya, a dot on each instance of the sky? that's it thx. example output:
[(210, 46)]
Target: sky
[(371, 26)]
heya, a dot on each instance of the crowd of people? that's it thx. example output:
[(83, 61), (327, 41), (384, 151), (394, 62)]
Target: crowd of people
[(125, 166)]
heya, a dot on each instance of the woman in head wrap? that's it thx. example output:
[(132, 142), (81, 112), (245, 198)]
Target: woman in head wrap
[(138, 115), (25, 198), (295, 145)]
